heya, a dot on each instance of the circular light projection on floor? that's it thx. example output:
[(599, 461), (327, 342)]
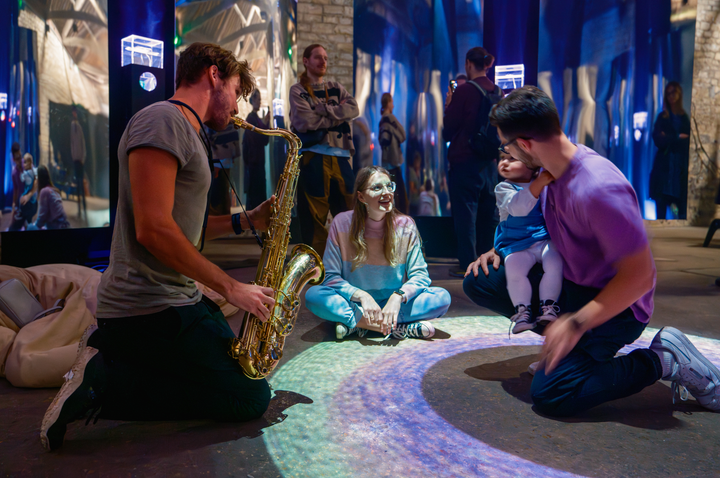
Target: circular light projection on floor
[(369, 416), (148, 82)]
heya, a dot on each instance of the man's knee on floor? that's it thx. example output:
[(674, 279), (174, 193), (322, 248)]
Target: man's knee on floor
[(252, 407)]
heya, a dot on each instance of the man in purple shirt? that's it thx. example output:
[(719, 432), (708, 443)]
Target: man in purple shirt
[(593, 217)]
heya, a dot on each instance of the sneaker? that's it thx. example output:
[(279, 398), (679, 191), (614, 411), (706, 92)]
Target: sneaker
[(521, 319), (342, 331), (415, 330), (80, 396), (549, 314), (689, 369), (532, 368)]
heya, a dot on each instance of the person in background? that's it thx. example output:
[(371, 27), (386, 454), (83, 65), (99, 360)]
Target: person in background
[(17, 221), (414, 183), (473, 175), (254, 154), (391, 136), (321, 113), (461, 79), (78, 154), (362, 140), (375, 274), (28, 197), (669, 174), (429, 201), (51, 214)]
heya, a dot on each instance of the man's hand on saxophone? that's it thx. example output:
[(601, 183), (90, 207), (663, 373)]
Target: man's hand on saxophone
[(253, 298)]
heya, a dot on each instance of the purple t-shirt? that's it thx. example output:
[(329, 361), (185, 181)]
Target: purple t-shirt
[(593, 217)]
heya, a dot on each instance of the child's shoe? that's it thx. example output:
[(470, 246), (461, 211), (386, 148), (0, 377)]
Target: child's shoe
[(522, 319), (550, 311)]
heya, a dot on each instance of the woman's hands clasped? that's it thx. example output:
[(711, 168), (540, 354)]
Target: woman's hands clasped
[(386, 317)]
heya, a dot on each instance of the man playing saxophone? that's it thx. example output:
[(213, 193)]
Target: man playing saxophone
[(160, 349)]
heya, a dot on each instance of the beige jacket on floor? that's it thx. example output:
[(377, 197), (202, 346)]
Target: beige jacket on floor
[(39, 354)]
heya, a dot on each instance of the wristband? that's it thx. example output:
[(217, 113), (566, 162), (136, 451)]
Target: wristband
[(237, 227)]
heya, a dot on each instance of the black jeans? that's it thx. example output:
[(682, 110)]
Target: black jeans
[(472, 198), (174, 365), (590, 374), (79, 170)]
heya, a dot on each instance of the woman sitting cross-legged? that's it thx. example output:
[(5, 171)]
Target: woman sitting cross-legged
[(375, 274)]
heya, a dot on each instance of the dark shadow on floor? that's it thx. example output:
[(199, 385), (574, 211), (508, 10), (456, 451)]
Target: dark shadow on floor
[(652, 408), (116, 439)]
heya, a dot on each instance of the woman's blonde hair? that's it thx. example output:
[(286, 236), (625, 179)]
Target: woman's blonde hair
[(360, 214)]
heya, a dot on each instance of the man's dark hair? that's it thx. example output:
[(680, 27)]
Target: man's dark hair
[(461, 77), (480, 57), (15, 148), (528, 113), (198, 57)]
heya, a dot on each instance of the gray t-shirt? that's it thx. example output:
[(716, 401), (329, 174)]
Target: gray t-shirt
[(136, 282)]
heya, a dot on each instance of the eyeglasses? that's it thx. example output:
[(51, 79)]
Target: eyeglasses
[(503, 146), (378, 188)]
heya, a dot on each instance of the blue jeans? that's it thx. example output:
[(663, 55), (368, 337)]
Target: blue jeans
[(327, 304), (590, 374)]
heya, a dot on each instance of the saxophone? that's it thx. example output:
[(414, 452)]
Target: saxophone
[(259, 346)]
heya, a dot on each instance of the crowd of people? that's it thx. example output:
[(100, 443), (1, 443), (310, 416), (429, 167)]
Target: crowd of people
[(555, 265)]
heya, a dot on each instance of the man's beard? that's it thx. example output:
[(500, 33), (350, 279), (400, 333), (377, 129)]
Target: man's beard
[(525, 158), (218, 108)]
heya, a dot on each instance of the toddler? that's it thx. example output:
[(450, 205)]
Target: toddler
[(28, 198), (522, 240)]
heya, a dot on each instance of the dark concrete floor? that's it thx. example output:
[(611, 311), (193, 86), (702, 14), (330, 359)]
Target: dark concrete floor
[(454, 406)]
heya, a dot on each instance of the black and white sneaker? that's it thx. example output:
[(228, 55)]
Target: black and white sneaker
[(522, 319), (550, 311), (415, 330), (79, 397)]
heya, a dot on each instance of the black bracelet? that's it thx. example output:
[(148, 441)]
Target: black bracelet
[(237, 227)]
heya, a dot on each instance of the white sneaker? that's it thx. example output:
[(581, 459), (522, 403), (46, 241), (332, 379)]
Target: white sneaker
[(550, 312), (342, 331), (521, 319), (689, 369), (415, 330), (532, 368)]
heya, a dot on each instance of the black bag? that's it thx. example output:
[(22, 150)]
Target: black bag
[(484, 140)]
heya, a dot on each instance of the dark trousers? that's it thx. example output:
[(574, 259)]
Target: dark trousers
[(174, 365), (590, 374), (79, 169), (401, 198), (257, 191), (23, 215), (325, 185), (472, 198)]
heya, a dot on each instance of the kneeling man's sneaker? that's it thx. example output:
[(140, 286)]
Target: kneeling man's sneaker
[(342, 331), (79, 397), (415, 330), (688, 368)]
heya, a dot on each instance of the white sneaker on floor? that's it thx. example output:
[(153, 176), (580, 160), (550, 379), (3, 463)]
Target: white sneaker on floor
[(689, 369), (342, 331), (522, 319), (532, 368), (415, 330)]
